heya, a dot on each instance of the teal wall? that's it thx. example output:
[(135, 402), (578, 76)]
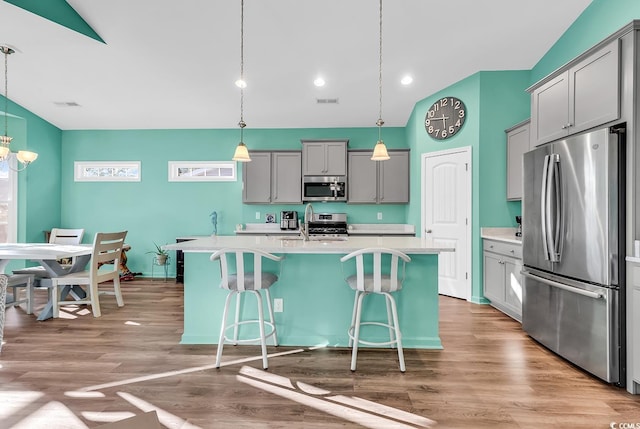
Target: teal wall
[(495, 101), (597, 22), (155, 210)]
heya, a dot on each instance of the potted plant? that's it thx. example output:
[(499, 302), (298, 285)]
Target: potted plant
[(161, 255)]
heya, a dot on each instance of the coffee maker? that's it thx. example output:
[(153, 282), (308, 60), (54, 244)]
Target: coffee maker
[(519, 222), (289, 220)]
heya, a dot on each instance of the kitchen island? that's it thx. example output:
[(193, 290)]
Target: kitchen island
[(317, 302)]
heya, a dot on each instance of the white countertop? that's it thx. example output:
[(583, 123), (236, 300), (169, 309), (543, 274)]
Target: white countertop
[(289, 244), (508, 235)]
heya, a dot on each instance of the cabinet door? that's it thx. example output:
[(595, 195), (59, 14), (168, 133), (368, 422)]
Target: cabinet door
[(513, 286), (493, 277), (336, 159), (595, 89), (286, 179), (550, 110), (314, 159), (256, 178), (517, 145), (393, 178), (362, 184)]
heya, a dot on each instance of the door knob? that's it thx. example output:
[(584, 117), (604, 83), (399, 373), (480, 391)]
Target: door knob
[(428, 231)]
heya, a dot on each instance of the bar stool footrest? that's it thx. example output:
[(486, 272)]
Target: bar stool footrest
[(374, 343), (267, 325)]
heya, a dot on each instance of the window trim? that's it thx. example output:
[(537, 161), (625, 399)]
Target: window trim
[(80, 166), (174, 166)]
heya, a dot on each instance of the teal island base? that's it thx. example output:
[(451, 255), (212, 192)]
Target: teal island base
[(317, 303)]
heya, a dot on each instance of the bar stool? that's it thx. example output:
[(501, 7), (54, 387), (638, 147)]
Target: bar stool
[(381, 280), (240, 277)]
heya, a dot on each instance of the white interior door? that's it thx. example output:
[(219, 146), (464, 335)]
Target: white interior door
[(446, 216)]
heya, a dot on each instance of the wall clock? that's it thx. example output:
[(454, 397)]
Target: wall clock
[(445, 118)]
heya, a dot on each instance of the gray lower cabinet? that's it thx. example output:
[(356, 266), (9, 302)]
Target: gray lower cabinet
[(272, 177), (517, 145), (378, 182), (502, 280), (324, 158), (585, 95)]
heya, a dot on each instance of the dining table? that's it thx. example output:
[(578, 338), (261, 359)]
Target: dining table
[(48, 256)]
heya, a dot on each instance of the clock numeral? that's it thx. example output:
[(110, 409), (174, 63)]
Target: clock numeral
[(430, 129), (458, 124), (444, 133), (461, 114), (444, 102), (427, 122), (431, 113), (456, 105), (437, 132), (451, 129)]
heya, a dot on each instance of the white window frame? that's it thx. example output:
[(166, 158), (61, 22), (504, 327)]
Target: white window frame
[(12, 202), (79, 168), (175, 166)]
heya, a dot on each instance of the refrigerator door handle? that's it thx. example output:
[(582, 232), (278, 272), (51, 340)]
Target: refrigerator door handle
[(587, 293), (554, 171), (543, 207)]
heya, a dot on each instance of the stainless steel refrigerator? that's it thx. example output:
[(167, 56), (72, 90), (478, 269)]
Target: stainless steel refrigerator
[(573, 253)]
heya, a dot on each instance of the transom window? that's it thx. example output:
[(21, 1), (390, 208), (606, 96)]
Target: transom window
[(107, 171), (202, 171)]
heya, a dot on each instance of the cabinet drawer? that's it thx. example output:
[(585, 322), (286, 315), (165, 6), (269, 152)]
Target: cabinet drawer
[(502, 248)]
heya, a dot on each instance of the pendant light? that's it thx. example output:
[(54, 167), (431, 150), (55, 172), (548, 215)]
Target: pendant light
[(24, 156), (380, 150), (242, 153)]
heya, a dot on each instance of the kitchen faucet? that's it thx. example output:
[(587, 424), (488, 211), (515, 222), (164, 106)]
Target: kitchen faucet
[(308, 213)]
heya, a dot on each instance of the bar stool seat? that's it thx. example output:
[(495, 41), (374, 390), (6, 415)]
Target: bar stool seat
[(241, 272), (386, 276)]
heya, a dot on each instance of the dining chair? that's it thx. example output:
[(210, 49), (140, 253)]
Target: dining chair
[(105, 258), (18, 282), (378, 271), (241, 272)]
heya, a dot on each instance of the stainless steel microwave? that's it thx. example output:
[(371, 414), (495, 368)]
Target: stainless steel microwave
[(324, 188)]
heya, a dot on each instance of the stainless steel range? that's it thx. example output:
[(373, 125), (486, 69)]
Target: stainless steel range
[(328, 225)]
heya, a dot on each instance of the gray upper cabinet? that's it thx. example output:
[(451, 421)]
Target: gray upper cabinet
[(517, 145), (272, 178), (585, 95), (324, 157), (378, 182)]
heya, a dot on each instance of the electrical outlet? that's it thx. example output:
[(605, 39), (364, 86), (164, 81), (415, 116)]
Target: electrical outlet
[(258, 215), (379, 215), (278, 305)]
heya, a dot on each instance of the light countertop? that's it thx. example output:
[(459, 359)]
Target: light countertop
[(291, 244), (508, 235)]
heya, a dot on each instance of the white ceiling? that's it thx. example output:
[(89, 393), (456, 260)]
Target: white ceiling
[(172, 64)]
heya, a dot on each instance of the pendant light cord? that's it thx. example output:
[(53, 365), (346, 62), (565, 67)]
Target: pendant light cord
[(242, 124), (5, 50), (380, 122)]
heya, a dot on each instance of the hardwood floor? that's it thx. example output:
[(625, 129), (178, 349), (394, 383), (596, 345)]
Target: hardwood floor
[(82, 372)]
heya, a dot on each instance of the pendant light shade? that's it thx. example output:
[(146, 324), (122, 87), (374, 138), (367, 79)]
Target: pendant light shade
[(380, 152), (242, 153)]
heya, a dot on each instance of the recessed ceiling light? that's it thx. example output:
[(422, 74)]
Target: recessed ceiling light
[(407, 80), (241, 83), (319, 82)]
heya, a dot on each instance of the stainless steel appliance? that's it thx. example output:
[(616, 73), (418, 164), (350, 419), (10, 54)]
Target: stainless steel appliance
[(324, 188), (519, 222), (328, 225), (573, 252), (289, 219)]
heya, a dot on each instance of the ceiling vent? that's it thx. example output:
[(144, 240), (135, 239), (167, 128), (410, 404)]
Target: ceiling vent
[(326, 100), (66, 103)]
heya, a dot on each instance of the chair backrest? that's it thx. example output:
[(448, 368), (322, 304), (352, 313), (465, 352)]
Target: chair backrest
[(107, 249), (66, 236), (375, 256), (239, 269)]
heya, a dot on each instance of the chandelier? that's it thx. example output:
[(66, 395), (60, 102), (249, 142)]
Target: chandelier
[(380, 150), (24, 156), (242, 153)]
